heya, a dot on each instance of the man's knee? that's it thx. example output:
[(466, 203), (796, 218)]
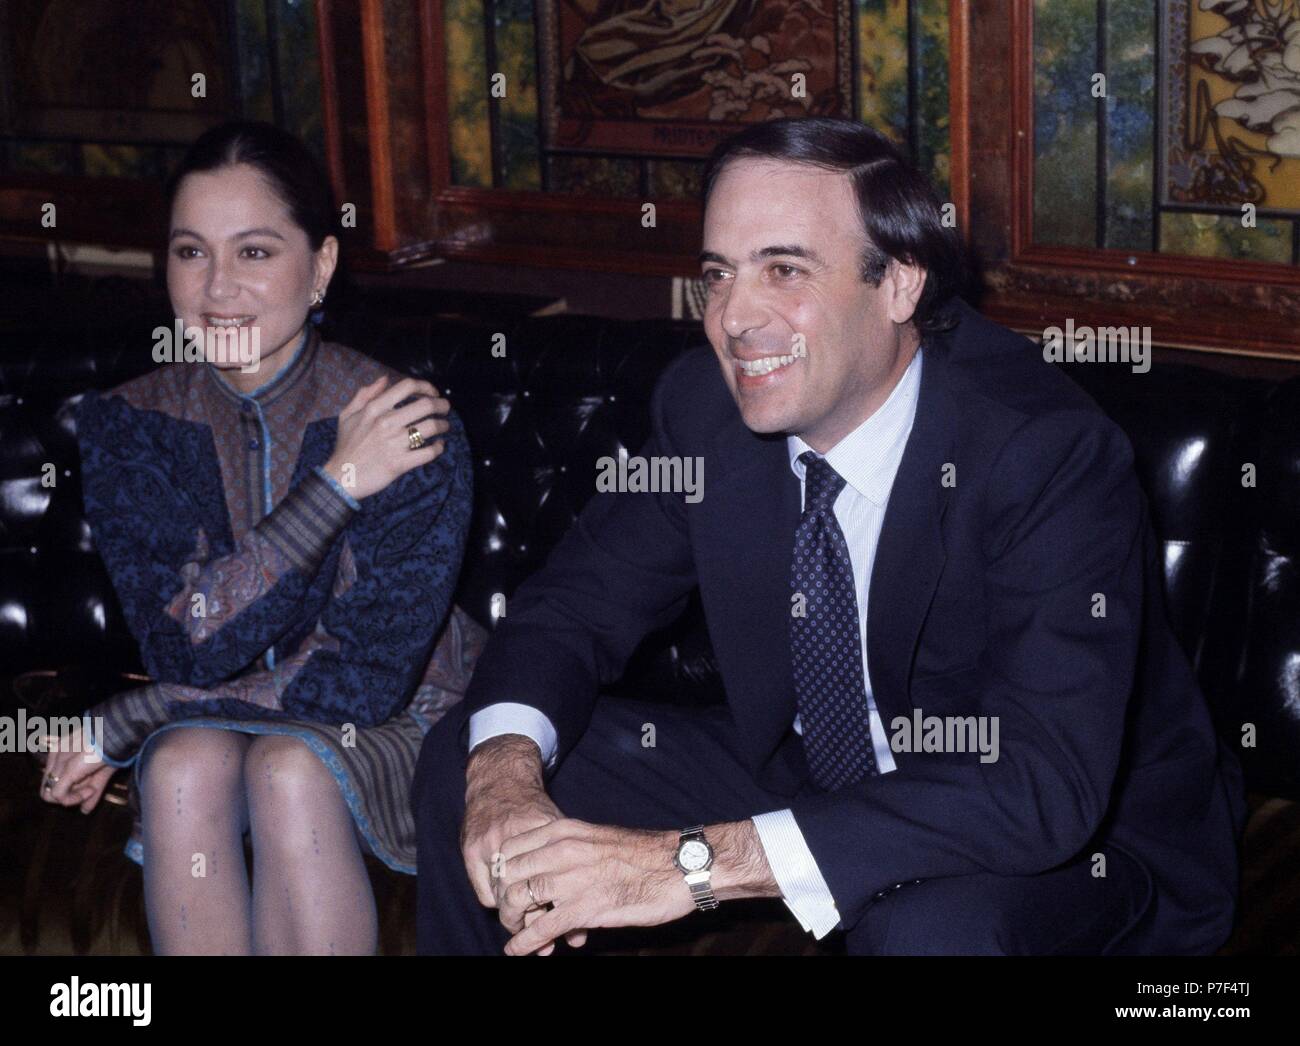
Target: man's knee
[(438, 786), (938, 917), (964, 921)]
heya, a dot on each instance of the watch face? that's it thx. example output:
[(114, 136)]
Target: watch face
[(693, 855)]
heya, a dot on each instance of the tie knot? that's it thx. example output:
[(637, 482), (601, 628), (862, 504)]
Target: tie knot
[(822, 484)]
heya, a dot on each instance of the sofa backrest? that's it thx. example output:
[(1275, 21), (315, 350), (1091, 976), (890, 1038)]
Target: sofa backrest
[(571, 389)]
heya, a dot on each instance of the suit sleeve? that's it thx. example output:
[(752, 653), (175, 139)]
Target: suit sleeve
[(623, 570), (198, 617), (1063, 523)]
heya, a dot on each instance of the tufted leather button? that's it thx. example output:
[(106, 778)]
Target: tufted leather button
[(252, 444)]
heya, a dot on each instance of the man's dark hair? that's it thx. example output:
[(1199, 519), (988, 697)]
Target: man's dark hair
[(288, 166), (901, 213)]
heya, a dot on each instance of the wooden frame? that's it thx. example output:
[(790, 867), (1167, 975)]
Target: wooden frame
[(1034, 286), (489, 225), (510, 227), (1030, 286)]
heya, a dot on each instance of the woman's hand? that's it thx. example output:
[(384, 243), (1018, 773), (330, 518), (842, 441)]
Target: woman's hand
[(374, 447), (70, 779)]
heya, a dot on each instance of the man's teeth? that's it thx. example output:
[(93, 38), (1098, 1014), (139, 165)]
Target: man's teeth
[(766, 365)]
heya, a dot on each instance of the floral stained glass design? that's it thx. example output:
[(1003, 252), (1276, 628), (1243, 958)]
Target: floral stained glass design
[(1154, 124), (894, 54)]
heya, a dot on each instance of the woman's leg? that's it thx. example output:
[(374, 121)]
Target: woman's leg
[(194, 816), (311, 892)]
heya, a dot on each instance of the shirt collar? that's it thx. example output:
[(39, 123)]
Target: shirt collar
[(869, 456), (285, 378)]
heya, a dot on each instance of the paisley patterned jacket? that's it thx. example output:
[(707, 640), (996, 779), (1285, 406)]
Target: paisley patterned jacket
[(255, 585)]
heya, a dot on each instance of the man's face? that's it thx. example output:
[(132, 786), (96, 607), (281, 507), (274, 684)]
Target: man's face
[(806, 346)]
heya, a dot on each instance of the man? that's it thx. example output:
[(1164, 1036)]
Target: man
[(901, 523)]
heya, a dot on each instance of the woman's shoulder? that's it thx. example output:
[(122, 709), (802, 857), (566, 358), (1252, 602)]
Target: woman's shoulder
[(149, 400), (163, 389), (355, 366)]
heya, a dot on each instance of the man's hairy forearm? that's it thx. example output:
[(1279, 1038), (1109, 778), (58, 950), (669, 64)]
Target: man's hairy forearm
[(740, 866), (506, 757)]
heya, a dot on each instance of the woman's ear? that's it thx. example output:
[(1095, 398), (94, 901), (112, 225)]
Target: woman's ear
[(327, 258)]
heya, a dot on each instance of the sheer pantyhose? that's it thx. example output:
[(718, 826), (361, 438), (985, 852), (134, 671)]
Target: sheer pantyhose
[(203, 788)]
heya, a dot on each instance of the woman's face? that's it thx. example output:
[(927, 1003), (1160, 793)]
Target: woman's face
[(239, 268)]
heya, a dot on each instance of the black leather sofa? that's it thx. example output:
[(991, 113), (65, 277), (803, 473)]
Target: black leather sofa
[(568, 390)]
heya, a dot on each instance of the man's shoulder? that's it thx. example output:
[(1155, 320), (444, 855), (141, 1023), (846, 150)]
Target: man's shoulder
[(997, 368), (1000, 383), (1016, 408), (691, 398)]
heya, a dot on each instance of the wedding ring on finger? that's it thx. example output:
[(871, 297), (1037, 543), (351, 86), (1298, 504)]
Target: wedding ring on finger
[(414, 438), (532, 896)]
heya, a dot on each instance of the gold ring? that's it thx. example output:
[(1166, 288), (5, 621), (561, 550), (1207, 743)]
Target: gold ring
[(533, 896), (414, 438), (51, 779)]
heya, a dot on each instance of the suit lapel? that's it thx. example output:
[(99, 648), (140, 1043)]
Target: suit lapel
[(745, 534), (752, 509), (910, 555)]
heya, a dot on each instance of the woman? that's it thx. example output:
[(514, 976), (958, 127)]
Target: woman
[(284, 540)]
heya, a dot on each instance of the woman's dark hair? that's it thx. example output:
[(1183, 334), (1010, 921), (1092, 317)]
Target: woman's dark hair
[(901, 213), (285, 162)]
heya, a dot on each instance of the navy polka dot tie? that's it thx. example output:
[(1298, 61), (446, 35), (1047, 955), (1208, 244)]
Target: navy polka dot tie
[(824, 640)]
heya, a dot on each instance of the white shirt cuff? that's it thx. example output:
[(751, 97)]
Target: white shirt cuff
[(508, 717), (802, 887)]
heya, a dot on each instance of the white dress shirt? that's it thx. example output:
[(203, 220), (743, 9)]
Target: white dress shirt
[(868, 459)]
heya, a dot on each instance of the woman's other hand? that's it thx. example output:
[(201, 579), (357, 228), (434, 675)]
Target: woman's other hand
[(70, 779), (374, 442)]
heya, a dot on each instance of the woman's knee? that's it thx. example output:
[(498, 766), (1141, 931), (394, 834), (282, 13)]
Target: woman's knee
[(283, 773), (201, 764)]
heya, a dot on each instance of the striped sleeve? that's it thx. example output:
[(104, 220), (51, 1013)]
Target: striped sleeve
[(305, 524)]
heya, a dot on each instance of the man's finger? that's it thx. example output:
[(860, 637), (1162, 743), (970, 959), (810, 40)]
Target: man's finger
[(531, 916), (543, 930), (537, 837), (480, 877), (529, 893)]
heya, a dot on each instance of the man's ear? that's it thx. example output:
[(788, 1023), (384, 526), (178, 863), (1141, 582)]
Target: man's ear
[(904, 283)]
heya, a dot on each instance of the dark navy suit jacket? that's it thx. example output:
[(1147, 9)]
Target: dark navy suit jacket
[(983, 601)]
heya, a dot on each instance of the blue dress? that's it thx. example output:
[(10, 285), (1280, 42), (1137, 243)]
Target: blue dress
[(266, 599)]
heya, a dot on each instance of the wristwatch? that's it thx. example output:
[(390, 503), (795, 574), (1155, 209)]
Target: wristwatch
[(694, 858)]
